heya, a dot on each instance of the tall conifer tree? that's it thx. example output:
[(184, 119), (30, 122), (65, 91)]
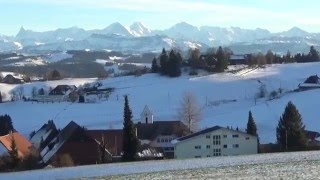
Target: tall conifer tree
[(164, 62), (130, 140), (251, 125), (291, 133), (13, 153), (222, 61), (154, 67)]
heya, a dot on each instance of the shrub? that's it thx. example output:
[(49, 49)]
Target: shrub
[(273, 94), (193, 72), (63, 160)]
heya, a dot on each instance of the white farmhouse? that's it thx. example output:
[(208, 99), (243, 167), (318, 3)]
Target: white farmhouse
[(215, 141)]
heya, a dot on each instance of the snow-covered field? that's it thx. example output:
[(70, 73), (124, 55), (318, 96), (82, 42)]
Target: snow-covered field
[(286, 170), (225, 100), (295, 165)]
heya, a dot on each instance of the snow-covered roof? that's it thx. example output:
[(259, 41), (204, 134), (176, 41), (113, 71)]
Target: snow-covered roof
[(309, 85), (14, 76), (58, 141), (237, 57)]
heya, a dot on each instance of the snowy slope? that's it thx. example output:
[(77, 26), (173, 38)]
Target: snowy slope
[(225, 100), (233, 162)]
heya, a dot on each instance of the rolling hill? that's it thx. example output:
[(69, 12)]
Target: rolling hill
[(225, 100)]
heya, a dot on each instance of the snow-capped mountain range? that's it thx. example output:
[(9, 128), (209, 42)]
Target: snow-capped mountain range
[(139, 38)]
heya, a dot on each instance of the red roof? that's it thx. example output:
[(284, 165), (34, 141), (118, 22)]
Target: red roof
[(22, 144)]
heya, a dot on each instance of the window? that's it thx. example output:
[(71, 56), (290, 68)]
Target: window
[(216, 140), (162, 140), (225, 146), (247, 138), (235, 135), (235, 145), (208, 155), (208, 136), (216, 137), (197, 147), (165, 140), (225, 136), (158, 140), (217, 152), (208, 146), (197, 156)]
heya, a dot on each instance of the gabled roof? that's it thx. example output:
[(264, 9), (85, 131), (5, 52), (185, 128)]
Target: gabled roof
[(62, 89), (44, 135), (312, 135), (312, 79), (23, 145), (214, 128), (153, 130), (200, 132), (65, 134), (237, 57), (13, 76), (146, 109), (208, 56)]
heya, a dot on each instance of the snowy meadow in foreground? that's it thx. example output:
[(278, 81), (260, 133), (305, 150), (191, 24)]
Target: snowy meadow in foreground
[(287, 165)]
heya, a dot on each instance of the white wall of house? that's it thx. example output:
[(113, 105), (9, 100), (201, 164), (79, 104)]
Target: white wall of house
[(221, 142)]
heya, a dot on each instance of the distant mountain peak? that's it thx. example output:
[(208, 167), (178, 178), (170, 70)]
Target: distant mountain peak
[(115, 24), (22, 28), (116, 28), (184, 24), (137, 23), (21, 32), (295, 31), (138, 29)]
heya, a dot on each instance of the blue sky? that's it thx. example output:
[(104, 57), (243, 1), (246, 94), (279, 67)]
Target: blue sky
[(274, 15)]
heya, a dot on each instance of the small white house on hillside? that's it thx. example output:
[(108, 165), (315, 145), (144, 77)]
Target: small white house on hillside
[(215, 141)]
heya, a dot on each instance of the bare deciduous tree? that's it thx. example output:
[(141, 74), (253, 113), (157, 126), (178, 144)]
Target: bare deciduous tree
[(14, 95), (190, 111), (34, 91), (20, 91)]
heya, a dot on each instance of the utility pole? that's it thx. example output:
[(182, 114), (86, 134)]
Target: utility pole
[(286, 140), (206, 100)]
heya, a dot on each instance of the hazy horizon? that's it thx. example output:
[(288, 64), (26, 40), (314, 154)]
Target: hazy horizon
[(44, 15)]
